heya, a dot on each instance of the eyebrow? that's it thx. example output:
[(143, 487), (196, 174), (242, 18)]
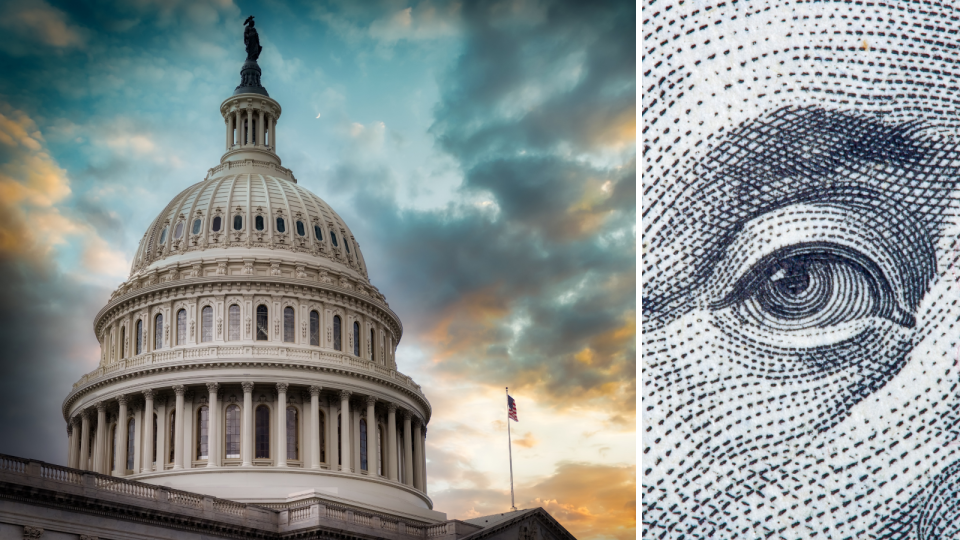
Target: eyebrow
[(899, 173)]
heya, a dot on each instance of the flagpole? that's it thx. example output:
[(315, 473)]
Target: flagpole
[(513, 505)]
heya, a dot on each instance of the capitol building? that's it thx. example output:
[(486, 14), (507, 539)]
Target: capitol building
[(248, 385)]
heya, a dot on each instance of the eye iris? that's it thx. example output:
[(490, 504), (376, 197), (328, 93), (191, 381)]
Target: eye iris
[(807, 291)]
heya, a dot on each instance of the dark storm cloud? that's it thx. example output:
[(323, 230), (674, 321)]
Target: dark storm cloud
[(538, 288)]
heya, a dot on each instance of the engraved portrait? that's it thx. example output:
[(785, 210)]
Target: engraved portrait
[(801, 310)]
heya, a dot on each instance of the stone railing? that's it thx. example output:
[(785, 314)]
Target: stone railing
[(280, 353), (267, 521)]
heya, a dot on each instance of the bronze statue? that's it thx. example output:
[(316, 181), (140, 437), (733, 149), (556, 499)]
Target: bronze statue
[(251, 40)]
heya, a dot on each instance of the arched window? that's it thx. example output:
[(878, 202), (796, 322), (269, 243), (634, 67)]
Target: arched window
[(123, 342), (182, 327), (262, 440), (158, 331), (203, 432), (318, 232), (233, 322), (281, 226), (363, 444), (289, 328), (232, 445), (237, 223), (163, 235), (300, 230), (131, 438), (293, 436), (178, 231), (139, 346), (172, 436), (258, 223), (216, 223), (372, 345), (333, 238), (196, 226), (263, 323), (206, 324), (336, 332), (346, 244), (315, 327), (323, 437), (356, 338)]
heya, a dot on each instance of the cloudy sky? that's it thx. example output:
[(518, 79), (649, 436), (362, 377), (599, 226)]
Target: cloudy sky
[(483, 154)]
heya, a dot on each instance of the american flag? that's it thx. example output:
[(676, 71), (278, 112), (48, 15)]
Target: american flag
[(511, 409)]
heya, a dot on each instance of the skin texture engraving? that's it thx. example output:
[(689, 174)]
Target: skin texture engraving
[(801, 311)]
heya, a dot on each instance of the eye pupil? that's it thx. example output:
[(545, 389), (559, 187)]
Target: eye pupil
[(791, 279)]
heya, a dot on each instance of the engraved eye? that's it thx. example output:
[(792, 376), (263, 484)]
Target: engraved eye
[(814, 286)]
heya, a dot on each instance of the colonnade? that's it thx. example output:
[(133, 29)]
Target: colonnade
[(239, 128), (179, 431)]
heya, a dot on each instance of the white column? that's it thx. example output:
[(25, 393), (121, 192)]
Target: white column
[(281, 425), (99, 449), (345, 431), (213, 427), (83, 460), (423, 457), (238, 125), (407, 450), (315, 427), (137, 437), (417, 463), (392, 441), (70, 440), (355, 415), (148, 435), (120, 453), (162, 431), (273, 133), (260, 129), (332, 448), (178, 428), (373, 450), (249, 129), (76, 444), (246, 429)]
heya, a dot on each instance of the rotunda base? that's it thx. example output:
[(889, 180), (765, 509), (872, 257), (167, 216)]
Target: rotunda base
[(270, 486)]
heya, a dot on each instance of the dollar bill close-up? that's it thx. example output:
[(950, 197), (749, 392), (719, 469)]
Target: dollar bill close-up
[(801, 309)]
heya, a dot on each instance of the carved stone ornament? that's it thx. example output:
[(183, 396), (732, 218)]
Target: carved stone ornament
[(247, 387), (275, 269), (345, 283), (248, 326), (197, 270), (222, 269), (32, 532), (325, 277), (247, 269), (219, 326), (193, 327), (89, 537), (301, 272), (276, 327)]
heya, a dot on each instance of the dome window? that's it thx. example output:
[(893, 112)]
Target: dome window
[(347, 245), (318, 233), (281, 227), (178, 231), (163, 235), (196, 226), (333, 237), (258, 223), (300, 229), (263, 323), (216, 224), (237, 223)]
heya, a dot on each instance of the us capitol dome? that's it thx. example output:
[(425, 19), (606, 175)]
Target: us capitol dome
[(248, 356)]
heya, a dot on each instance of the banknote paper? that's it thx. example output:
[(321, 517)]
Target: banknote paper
[(801, 304)]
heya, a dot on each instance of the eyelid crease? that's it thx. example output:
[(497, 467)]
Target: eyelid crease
[(809, 224)]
